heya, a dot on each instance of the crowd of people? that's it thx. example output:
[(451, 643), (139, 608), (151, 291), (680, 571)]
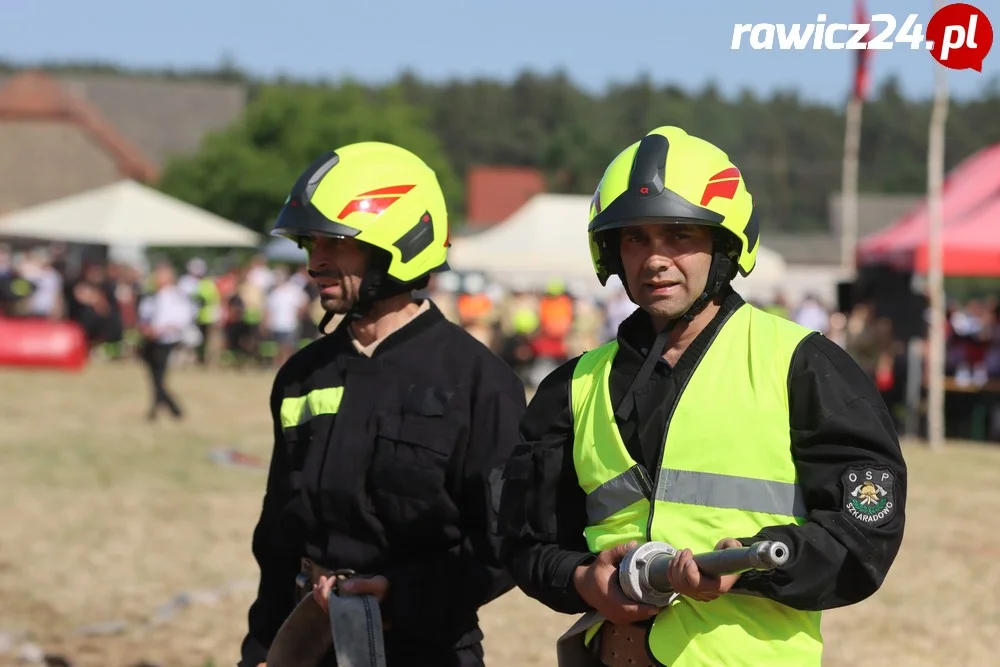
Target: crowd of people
[(973, 355), (256, 314), (241, 314)]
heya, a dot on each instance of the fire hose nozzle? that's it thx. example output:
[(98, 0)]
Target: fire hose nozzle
[(643, 572)]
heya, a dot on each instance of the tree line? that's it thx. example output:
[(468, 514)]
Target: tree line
[(788, 148)]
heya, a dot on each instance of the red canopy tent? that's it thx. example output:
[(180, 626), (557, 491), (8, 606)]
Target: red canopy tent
[(971, 232), (969, 249)]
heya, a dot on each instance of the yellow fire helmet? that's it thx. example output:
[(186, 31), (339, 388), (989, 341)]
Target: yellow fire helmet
[(677, 178), (382, 195)]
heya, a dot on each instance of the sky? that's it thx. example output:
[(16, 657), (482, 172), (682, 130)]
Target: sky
[(685, 43)]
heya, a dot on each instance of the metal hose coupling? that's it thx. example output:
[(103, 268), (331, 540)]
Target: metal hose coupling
[(643, 572)]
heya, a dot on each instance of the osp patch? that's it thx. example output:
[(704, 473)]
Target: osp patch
[(869, 495)]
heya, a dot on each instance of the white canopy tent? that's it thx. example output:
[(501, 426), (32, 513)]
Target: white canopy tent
[(126, 214), (769, 276), (543, 240), (546, 239)]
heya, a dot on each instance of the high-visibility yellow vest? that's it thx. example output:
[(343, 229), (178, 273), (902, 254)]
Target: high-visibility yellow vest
[(208, 297), (726, 471)]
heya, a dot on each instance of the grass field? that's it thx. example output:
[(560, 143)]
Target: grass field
[(106, 517)]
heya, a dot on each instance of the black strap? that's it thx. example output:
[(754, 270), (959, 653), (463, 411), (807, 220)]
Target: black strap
[(645, 371), (327, 317)]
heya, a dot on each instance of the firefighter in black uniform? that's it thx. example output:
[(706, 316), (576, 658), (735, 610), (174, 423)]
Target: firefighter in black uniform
[(390, 431), (706, 424)]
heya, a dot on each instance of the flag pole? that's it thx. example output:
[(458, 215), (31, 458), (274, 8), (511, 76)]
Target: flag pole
[(849, 188), (849, 168), (935, 273)]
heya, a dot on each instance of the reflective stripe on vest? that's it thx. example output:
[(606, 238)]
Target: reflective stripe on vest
[(618, 493), (696, 488), (726, 471), (297, 410)]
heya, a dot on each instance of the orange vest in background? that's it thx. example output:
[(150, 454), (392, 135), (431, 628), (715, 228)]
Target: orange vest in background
[(473, 307), (555, 314)]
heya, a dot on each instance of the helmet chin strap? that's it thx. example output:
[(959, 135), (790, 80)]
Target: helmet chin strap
[(720, 273), (376, 285)]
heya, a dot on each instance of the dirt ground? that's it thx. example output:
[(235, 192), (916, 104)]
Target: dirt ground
[(106, 518)]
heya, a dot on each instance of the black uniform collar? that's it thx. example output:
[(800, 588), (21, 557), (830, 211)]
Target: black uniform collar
[(407, 332)]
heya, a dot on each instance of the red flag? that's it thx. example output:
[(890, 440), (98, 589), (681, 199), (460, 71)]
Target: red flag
[(861, 56)]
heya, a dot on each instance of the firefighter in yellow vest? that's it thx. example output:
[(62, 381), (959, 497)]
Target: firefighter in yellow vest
[(207, 300), (706, 423)]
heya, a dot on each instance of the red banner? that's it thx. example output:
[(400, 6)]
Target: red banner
[(33, 343)]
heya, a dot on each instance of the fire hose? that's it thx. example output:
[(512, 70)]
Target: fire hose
[(642, 575), (353, 628), (643, 572)]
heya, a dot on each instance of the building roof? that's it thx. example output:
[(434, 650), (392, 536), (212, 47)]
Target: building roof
[(494, 193), (876, 211), (164, 118), (814, 248), (161, 117), (32, 95)]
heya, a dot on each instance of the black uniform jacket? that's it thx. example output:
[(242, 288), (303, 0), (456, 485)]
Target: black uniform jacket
[(397, 483), (839, 426)]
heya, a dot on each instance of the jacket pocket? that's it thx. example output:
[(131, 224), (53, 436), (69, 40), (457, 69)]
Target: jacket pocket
[(409, 465), (528, 498)]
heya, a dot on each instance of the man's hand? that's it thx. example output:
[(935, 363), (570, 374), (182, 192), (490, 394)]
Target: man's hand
[(377, 586), (598, 585), (689, 581)]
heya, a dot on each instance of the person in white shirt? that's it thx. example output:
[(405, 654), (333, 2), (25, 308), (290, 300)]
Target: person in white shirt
[(196, 270), (812, 315), (259, 274), (164, 316), (46, 301), (285, 306)]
